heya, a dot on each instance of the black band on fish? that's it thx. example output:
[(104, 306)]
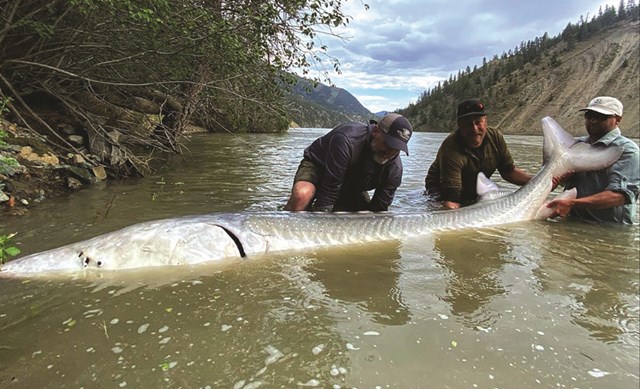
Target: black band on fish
[(236, 241)]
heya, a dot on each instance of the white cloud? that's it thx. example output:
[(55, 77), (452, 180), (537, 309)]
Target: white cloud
[(400, 48)]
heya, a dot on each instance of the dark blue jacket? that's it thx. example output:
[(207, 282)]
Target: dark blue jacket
[(344, 160)]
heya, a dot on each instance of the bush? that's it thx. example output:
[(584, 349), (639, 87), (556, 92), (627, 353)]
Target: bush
[(6, 250)]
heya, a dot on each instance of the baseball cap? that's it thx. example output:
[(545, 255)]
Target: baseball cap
[(470, 107), (397, 131), (605, 105)]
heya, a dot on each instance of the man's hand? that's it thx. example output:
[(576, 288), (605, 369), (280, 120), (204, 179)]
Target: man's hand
[(450, 205), (561, 207), (561, 179), (326, 208)]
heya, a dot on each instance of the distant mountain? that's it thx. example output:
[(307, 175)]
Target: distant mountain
[(318, 105)]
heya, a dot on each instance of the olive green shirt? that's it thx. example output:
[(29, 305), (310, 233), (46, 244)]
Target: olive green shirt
[(454, 173)]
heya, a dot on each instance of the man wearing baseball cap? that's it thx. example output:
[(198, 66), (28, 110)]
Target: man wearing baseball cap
[(340, 167), (609, 195), (472, 148)]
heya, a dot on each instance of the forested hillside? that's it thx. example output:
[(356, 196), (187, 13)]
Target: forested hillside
[(547, 76)]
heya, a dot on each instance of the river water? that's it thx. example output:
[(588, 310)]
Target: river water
[(535, 304)]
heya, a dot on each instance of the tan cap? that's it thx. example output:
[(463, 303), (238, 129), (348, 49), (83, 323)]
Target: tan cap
[(605, 105)]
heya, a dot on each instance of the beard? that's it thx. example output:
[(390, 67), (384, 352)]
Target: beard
[(380, 159), (381, 155)]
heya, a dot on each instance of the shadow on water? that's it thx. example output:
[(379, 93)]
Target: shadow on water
[(367, 276), (599, 276), (475, 261), (596, 279)]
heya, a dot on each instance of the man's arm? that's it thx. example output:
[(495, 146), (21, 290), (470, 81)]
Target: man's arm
[(605, 199), (450, 181), (336, 165), (516, 176), (506, 165), (382, 199), (623, 187), (385, 192)]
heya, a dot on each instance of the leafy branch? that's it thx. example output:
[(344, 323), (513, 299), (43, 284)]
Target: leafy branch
[(216, 64), (6, 248)]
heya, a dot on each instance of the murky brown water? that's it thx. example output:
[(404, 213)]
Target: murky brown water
[(535, 304)]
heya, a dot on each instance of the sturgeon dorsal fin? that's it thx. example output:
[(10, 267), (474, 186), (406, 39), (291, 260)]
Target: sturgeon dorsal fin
[(487, 189), (484, 185)]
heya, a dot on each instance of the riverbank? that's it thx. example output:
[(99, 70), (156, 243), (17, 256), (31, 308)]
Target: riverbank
[(31, 171)]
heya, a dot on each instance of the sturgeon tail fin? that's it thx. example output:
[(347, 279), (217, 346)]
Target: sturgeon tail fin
[(576, 156)]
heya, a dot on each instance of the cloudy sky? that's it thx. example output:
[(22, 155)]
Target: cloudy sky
[(399, 48)]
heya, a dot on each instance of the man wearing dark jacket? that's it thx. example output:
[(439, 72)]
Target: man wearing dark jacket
[(340, 167)]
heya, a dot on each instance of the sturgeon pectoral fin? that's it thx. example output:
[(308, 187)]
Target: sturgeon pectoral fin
[(545, 212)]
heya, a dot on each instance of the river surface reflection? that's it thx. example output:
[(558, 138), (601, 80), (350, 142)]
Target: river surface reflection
[(534, 304)]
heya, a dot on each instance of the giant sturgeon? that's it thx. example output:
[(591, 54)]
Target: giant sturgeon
[(203, 238)]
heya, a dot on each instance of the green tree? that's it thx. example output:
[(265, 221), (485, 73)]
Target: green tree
[(219, 63)]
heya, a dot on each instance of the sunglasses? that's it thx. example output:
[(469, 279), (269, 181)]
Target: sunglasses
[(600, 117)]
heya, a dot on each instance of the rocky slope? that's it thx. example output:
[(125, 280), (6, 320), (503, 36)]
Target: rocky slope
[(606, 65)]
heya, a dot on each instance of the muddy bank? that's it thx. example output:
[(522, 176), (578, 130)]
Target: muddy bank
[(31, 171)]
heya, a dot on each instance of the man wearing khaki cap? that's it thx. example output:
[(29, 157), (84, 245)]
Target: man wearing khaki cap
[(340, 167), (609, 195)]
